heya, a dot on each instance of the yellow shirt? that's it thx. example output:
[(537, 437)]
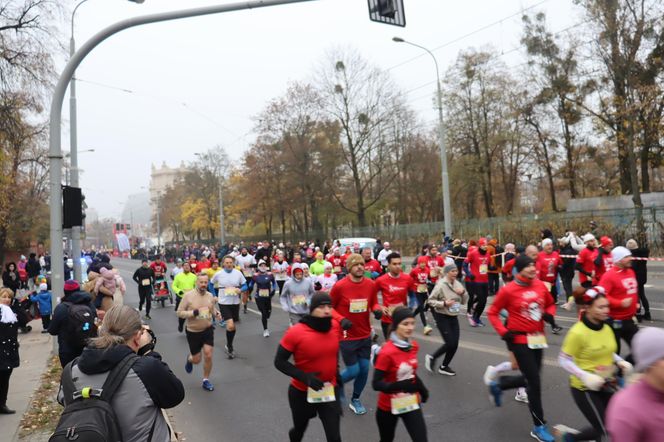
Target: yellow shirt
[(211, 272), (592, 351)]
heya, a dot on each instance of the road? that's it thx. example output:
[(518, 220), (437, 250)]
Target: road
[(250, 403)]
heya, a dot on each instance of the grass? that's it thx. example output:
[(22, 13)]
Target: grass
[(44, 411)]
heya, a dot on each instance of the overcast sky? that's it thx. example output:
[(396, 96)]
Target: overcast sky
[(198, 82)]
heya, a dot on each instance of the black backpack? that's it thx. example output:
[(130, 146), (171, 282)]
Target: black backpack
[(88, 415), (80, 325)]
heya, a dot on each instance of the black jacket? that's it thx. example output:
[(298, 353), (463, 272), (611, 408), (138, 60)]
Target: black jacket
[(640, 267), (567, 269), (142, 273), (32, 267), (9, 357), (11, 280), (59, 320)]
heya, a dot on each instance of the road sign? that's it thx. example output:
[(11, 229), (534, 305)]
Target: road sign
[(390, 12)]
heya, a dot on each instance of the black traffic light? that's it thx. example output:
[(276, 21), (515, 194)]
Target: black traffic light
[(72, 207), (387, 11)]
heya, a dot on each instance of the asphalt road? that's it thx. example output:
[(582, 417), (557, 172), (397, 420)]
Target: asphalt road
[(250, 403)]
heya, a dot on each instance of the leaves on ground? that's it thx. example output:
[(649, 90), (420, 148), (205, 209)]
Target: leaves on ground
[(44, 411)]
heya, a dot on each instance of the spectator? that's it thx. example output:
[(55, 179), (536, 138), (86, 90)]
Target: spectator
[(43, 300), (11, 318), (33, 269), (10, 277), (640, 267)]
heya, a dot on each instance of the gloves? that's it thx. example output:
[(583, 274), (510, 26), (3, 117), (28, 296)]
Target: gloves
[(313, 382), (508, 337), (626, 368), (424, 394), (378, 314), (374, 275), (346, 324), (471, 276), (318, 286), (407, 386), (195, 312), (592, 381)]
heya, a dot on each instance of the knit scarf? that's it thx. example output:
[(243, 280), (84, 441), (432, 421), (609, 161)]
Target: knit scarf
[(7, 315), (400, 343)]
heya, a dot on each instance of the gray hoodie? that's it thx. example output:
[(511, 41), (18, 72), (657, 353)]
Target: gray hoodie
[(296, 295)]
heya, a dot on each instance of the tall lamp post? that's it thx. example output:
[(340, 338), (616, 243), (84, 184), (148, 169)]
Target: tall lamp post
[(73, 145), (447, 209)]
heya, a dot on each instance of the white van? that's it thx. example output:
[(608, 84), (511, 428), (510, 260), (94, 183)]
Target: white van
[(363, 242)]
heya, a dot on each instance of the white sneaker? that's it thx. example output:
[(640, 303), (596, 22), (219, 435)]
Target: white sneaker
[(428, 363), (521, 396), (427, 330), (266, 333), (490, 375)]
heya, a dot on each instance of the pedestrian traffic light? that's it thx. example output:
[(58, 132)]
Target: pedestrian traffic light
[(387, 11), (72, 207)]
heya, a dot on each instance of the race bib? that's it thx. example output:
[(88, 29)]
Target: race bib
[(145, 282), (299, 300), (358, 305), (263, 293), (336, 269), (403, 403), (204, 313), (231, 291), (433, 273), (246, 273), (422, 288), (483, 269), (537, 341), (325, 394), (456, 307)]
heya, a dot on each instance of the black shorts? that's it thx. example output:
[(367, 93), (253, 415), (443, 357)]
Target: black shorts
[(351, 351), (196, 340), (230, 311)]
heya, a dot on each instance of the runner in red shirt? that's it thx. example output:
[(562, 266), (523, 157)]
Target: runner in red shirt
[(548, 264), (402, 392), (372, 268), (314, 344), (420, 276), (337, 262), (603, 261), (476, 266), (353, 298), (394, 287), (622, 291), (585, 262), (528, 305)]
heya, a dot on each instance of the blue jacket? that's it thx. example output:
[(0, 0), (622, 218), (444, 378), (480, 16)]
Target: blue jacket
[(44, 301)]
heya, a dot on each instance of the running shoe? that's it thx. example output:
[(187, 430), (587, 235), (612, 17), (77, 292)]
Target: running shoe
[(375, 349), (266, 333), (490, 375), (188, 367), (427, 330), (479, 322), (229, 352), (180, 327), (556, 330), (222, 324), (207, 385), (521, 396), (447, 371), (357, 407), (495, 394), (147, 317), (471, 321), (564, 433), (541, 433), (428, 363)]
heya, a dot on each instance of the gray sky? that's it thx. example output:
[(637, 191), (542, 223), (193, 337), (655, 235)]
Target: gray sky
[(197, 83)]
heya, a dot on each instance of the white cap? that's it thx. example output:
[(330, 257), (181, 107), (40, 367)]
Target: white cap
[(327, 265), (261, 262), (588, 237), (619, 253), (304, 266), (546, 241)]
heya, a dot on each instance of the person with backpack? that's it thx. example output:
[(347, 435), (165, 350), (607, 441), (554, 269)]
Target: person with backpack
[(73, 322), (116, 389)]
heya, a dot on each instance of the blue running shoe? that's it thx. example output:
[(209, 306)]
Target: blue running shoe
[(479, 322), (188, 367), (496, 394), (357, 406), (207, 385), (541, 433)]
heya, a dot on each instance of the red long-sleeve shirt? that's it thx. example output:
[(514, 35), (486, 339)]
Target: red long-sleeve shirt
[(586, 258), (620, 284), (338, 263), (479, 265), (547, 266), (526, 305), (394, 291), (435, 264), (361, 296)]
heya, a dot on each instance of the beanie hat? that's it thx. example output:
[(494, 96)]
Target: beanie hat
[(353, 260), (43, 287), (482, 242), (522, 261), (647, 347), (632, 244), (318, 299), (619, 253), (71, 286), (605, 241), (546, 241), (448, 268), (327, 265), (399, 314), (588, 237), (422, 259)]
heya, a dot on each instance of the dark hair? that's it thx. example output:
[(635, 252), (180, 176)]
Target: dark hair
[(144, 260), (391, 256)]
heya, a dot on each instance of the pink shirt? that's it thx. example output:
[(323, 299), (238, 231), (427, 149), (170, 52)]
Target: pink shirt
[(636, 414)]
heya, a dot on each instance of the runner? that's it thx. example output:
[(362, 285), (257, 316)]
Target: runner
[(183, 282), (265, 288), (279, 270), (621, 288), (317, 267), (402, 392), (446, 299), (198, 307), (383, 254), (548, 263), (420, 276), (338, 262), (177, 269), (327, 279), (246, 264), (353, 298), (585, 262), (394, 287), (603, 261), (230, 282), (314, 390), (296, 294), (372, 268), (588, 354), (144, 277), (527, 302), (476, 266), (640, 267)]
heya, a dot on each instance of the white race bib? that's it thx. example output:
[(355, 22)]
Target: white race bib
[(404, 402), (263, 293), (325, 394), (358, 305), (299, 300), (145, 282), (537, 341)]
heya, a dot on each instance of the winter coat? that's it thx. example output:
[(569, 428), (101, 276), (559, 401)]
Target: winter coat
[(44, 301), (11, 280), (60, 318), (33, 268), (9, 358), (639, 266)]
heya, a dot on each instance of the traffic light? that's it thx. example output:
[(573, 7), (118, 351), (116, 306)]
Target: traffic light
[(83, 207), (387, 11), (72, 207), (386, 8)]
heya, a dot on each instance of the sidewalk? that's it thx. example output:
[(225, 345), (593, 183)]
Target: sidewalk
[(35, 350)]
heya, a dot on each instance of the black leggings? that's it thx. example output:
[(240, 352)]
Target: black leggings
[(645, 305), (470, 288), (494, 283), (4, 385), (481, 293), (567, 279), (145, 297), (626, 331), (264, 305), (329, 414), (448, 326), (593, 406), (180, 320), (386, 330), (530, 364), (422, 306), (413, 420)]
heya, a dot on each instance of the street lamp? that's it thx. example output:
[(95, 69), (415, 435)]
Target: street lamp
[(447, 210), (73, 143), (222, 233)]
